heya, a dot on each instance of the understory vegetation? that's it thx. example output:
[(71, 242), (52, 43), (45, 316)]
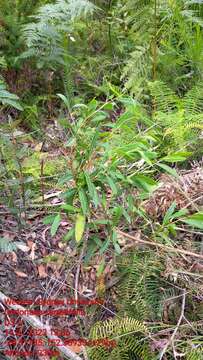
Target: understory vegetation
[(101, 163)]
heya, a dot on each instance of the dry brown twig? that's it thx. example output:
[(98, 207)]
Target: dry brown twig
[(171, 340), (77, 275), (161, 246)]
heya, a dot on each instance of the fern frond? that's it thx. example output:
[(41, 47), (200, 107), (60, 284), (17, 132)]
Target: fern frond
[(139, 280), (179, 118), (194, 124), (165, 99), (44, 41), (64, 10), (192, 15), (128, 333), (195, 354), (193, 100), (144, 13), (137, 69), (115, 327), (52, 23), (98, 353)]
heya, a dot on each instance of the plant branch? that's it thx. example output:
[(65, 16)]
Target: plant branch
[(161, 246)]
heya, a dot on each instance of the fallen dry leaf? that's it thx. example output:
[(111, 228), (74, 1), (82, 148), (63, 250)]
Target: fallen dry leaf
[(14, 257), (8, 235), (20, 274), (42, 271), (32, 253), (61, 245), (30, 244), (38, 147), (23, 247)]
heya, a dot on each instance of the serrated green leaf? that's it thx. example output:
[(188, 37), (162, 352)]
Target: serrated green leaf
[(79, 227)]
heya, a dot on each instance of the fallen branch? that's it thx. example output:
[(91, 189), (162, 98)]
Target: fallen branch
[(36, 323), (171, 340), (161, 246), (77, 275)]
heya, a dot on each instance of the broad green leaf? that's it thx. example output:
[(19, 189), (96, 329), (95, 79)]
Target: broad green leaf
[(179, 213), (169, 170), (48, 219), (115, 242), (101, 222), (79, 227), (92, 190), (126, 215), (147, 156), (69, 194), (12, 103), (143, 181), (55, 224), (112, 185), (101, 268), (64, 99), (105, 246), (195, 220), (99, 117), (97, 241), (169, 213), (65, 178), (180, 156), (69, 208), (108, 106), (92, 247), (80, 106), (92, 105), (69, 235), (172, 229), (83, 201), (117, 213), (7, 98)]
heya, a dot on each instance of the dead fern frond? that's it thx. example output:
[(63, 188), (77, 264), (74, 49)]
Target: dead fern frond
[(185, 191)]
